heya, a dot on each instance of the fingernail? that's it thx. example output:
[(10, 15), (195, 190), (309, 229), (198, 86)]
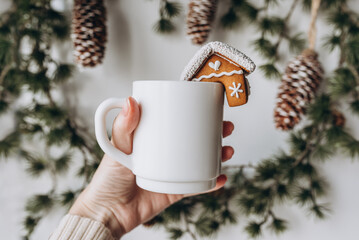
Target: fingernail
[(126, 108)]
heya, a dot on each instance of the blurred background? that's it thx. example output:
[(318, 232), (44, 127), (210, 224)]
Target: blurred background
[(134, 51)]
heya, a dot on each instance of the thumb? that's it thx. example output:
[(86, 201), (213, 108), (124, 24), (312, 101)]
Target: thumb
[(125, 124)]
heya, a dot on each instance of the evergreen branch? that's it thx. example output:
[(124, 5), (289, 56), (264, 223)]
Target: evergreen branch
[(286, 19)]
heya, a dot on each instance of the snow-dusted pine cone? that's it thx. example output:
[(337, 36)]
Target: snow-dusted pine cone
[(299, 84), (199, 19), (89, 33)]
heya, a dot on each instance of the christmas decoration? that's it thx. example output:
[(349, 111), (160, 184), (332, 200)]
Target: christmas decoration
[(199, 19), (89, 32), (254, 191), (299, 84)]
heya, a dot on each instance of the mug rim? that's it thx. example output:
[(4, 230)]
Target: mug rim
[(176, 82)]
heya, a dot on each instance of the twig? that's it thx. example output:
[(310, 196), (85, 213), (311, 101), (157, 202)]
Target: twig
[(286, 19)]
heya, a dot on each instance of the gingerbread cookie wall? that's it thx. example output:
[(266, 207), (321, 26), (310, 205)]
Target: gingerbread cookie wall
[(219, 62)]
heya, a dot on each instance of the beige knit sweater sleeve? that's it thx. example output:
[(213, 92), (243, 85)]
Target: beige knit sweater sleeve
[(74, 227)]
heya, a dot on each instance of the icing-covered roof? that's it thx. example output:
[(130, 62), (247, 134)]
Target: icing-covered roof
[(221, 48)]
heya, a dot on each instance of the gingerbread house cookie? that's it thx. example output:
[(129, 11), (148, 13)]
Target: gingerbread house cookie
[(219, 62)]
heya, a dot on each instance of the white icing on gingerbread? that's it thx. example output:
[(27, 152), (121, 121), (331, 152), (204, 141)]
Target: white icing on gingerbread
[(215, 65), (218, 75), (235, 89), (223, 49)]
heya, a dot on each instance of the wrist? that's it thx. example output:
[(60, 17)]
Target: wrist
[(85, 207)]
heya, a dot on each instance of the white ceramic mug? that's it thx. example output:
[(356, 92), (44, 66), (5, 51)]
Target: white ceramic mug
[(178, 143)]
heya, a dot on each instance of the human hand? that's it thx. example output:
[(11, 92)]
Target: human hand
[(113, 198)]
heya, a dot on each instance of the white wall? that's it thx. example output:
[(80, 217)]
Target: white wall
[(135, 52)]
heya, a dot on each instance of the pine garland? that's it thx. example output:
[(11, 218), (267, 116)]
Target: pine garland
[(45, 122), (253, 190)]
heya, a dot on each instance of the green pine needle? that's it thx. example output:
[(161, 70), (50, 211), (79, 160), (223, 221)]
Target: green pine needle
[(265, 48), (63, 72), (206, 226), (278, 225), (351, 51), (171, 9), (323, 152), (331, 42), (270, 71), (319, 211), (68, 198), (253, 229), (319, 186), (339, 19), (335, 135), (354, 106), (37, 203), (230, 19), (306, 170), (228, 216), (36, 166), (282, 191), (57, 136), (297, 143), (271, 25), (342, 83), (296, 43), (250, 11), (62, 163), (351, 147), (266, 170), (164, 26), (175, 233), (320, 110), (9, 144), (303, 196), (61, 31), (3, 106), (30, 223), (5, 50)]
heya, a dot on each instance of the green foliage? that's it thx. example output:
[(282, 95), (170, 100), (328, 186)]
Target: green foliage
[(238, 10), (206, 226), (230, 19), (164, 26), (270, 71), (40, 120), (271, 25), (67, 198), (253, 229), (175, 233), (9, 144), (296, 43), (30, 223), (168, 10), (278, 225), (62, 163), (265, 47), (342, 83), (36, 165), (40, 202), (63, 72), (171, 9)]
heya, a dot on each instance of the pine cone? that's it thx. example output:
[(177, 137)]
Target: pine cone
[(299, 84), (200, 16), (338, 118), (89, 33)]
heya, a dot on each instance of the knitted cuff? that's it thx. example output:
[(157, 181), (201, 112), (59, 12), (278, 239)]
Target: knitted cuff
[(79, 228)]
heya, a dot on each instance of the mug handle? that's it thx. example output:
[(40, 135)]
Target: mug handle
[(101, 132)]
